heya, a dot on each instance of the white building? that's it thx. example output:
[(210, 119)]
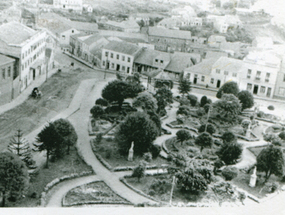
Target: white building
[(75, 5), (27, 47), (119, 56)]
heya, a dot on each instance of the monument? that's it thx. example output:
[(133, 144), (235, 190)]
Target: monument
[(248, 131), (131, 152), (253, 178)]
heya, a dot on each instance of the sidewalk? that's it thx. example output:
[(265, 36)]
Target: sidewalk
[(25, 94)]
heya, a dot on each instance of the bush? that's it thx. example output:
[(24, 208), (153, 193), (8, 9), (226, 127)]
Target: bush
[(193, 99), (201, 112), (160, 186), (184, 101), (206, 108), (108, 153), (151, 193), (260, 114), (155, 150), (102, 102), (99, 138), (203, 101), (97, 111), (270, 107), (184, 110), (230, 173), (230, 152), (282, 135), (147, 157), (210, 128)]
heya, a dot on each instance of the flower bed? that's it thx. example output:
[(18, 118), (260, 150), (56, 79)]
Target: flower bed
[(92, 193), (100, 130), (56, 181)]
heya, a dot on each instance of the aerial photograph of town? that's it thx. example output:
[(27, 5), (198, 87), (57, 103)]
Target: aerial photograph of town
[(162, 104)]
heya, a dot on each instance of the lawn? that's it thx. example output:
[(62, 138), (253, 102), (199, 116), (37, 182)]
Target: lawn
[(108, 149), (256, 149), (71, 163)]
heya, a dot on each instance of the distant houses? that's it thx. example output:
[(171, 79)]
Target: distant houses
[(126, 26), (75, 5)]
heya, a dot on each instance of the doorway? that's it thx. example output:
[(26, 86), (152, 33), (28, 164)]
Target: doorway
[(218, 83), (34, 74), (195, 79), (255, 89), (118, 67), (268, 94)]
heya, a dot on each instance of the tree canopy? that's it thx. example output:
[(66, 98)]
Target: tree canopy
[(230, 152), (118, 91), (271, 161), (228, 88), (246, 99), (229, 137), (146, 101), (14, 177), (210, 128), (97, 111), (183, 135), (184, 86), (137, 127), (204, 140)]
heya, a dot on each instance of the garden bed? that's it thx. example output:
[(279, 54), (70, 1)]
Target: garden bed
[(256, 149), (99, 126), (108, 151), (92, 193)]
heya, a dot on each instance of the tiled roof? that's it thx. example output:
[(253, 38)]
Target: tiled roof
[(229, 64), (204, 67), (122, 47), (146, 57), (4, 59), (162, 32), (92, 39), (216, 55), (83, 26), (180, 61), (15, 33), (125, 24)]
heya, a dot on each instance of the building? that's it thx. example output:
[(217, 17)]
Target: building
[(27, 47), (126, 26), (263, 43), (9, 82), (10, 14), (176, 22), (215, 41), (279, 91), (75, 5), (120, 56), (169, 40)]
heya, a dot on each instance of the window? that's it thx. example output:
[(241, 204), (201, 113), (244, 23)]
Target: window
[(156, 60), (249, 87), (145, 68), (123, 68), (106, 54), (129, 59), (262, 89), (3, 73), (267, 75), (9, 71), (212, 80), (103, 63), (281, 91), (112, 55), (267, 80), (226, 72), (123, 58), (113, 65), (118, 57), (248, 73), (72, 31), (258, 73), (188, 76), (63, 37), (234, 74), (284, 78), (161, 61), (203, 78), (24, 56), (128, 69), (218, 71)]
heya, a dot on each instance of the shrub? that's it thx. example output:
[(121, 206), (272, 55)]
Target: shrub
[(99, 138), (184, 101), (160, 186), (209, 101), (155, 150), (206, 108), (108, 153), (210, 128), (184, 110), (151, 193), (193, 99), (270, 107), (230, 173), (228, 88), (203, 101), (102, 102), (147, 157), (230, 152), (201, 112), (260, 114), (282, 135), (97, 111)]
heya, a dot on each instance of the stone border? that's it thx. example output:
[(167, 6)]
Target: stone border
[(94, 202), (127, 168), (56, 181), (103, 162)]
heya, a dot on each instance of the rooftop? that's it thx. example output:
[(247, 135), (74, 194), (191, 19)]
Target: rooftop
[(146, 57), (205, 67), (162, 32), (15, 33), (4, 60), (122, 47), (229, 64), (85, 26), (216, 55)]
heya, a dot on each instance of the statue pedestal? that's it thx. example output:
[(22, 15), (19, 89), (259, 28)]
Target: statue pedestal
[(131, 152), (253, 177)]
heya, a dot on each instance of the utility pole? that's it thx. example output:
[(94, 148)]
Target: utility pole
[(171, 192)]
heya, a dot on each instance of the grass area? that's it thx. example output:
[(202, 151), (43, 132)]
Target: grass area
[(163, 193), (256, 149), (108, 149), (242, 181), (92, 193), (71, 163)]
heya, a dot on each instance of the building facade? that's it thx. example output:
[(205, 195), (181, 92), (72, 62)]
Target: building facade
[(75, 5)]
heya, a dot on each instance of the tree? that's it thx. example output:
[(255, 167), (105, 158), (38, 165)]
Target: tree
[(97, 111), (282, 135), (139, 171), (50, 141), (146, 101), (21, 147), (102, 102), (137, 127), (156, 119), (229, 173), (229, 137), (184, 86), (228, 107), (118, 91), (183, 135), (193, 99), (164, 97), (210, 128), (228, 88), (271, 161), (203, 101), (204, 140), (230, 152), (67, 132), (191, 180), (14, 177), (184, 110), (246, 99)]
